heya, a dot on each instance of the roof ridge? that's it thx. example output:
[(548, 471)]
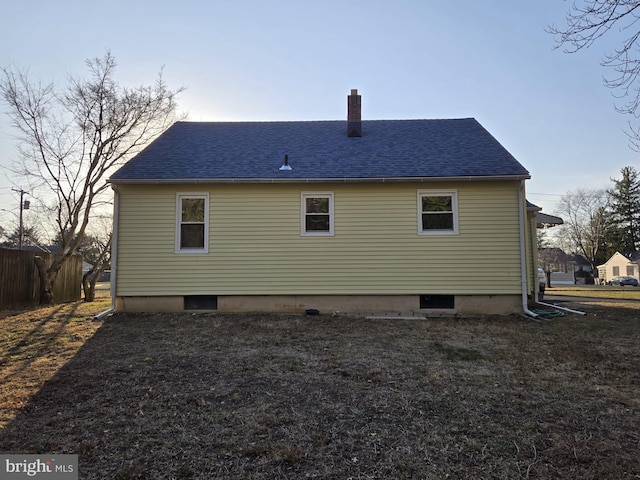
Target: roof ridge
[(326, 121)]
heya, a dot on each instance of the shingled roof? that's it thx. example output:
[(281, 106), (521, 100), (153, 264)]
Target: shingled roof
[(388, 150)]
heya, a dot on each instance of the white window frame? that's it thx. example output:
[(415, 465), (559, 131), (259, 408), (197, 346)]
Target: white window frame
[(454, 207), (192, 195), (303, 214)]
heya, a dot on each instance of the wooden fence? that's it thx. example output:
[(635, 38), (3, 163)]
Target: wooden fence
[(19, 279)]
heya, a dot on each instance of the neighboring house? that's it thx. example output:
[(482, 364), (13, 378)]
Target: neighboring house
[(547, 221), (410, 216), (42, 248), (620, 265), (554, 259), (86, 267), (563, 268)]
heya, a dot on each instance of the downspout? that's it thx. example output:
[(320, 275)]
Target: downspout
[(534, 268), (114, 256), (523, 252), (536, 289)]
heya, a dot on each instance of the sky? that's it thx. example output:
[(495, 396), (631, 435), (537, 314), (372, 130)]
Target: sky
[(258, 60)]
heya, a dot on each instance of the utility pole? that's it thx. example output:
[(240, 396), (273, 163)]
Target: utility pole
[(24, 205)]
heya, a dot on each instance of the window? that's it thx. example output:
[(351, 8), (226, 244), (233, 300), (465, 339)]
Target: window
[(616, 271), (630, 270), (437, 212), (317, 214), (192, 223)]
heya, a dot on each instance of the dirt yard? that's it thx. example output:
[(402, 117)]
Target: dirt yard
[(265, 397)]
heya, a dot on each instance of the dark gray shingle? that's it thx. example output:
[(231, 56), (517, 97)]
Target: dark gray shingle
[(321, 150)]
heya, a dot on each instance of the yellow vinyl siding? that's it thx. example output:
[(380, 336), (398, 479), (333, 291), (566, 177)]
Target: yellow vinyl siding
[(255, 245)]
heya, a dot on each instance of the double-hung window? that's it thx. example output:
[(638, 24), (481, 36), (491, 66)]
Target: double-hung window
[(437, 212), (192, 223), (317, 214)]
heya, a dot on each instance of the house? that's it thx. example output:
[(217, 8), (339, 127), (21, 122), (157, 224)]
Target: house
[(564, 268), (545, 220), (620, 264), (413, 216)]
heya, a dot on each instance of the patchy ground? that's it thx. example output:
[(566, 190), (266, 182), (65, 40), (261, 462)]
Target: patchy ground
[(35, 344), (263, 397)]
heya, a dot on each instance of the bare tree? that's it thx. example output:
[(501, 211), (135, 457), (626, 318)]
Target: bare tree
[(91, 277), (96, 249), (551, 259), (543, 238), (586, 220), (590, 20), (69, 143)]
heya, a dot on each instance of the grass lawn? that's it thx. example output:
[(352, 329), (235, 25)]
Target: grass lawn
[(264, 397), (596, 291)]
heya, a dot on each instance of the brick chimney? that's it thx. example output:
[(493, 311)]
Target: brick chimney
[(354, 114)]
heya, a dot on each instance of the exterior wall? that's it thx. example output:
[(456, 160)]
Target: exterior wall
[(606, 271), (389, 305), (255, 246)]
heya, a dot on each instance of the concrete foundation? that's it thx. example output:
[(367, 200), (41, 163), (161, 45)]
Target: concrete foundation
[(387, 305)]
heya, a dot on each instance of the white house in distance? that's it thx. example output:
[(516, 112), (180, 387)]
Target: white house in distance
[(620, 264)]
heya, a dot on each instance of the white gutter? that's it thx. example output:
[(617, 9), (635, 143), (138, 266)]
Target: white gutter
[(205, 181), (114, 256), (523, 252)]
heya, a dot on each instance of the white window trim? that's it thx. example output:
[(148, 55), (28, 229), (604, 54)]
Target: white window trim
[(179, 197), (454, 206), (303, 214)]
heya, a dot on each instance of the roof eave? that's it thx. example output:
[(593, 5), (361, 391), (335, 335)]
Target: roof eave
[(184, 181)]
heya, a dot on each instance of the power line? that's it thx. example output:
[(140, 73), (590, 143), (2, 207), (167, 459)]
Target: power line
[(546, 194)]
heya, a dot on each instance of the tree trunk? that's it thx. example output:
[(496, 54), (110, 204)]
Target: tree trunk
[(89, 281), (89, 293), (47, 279)]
